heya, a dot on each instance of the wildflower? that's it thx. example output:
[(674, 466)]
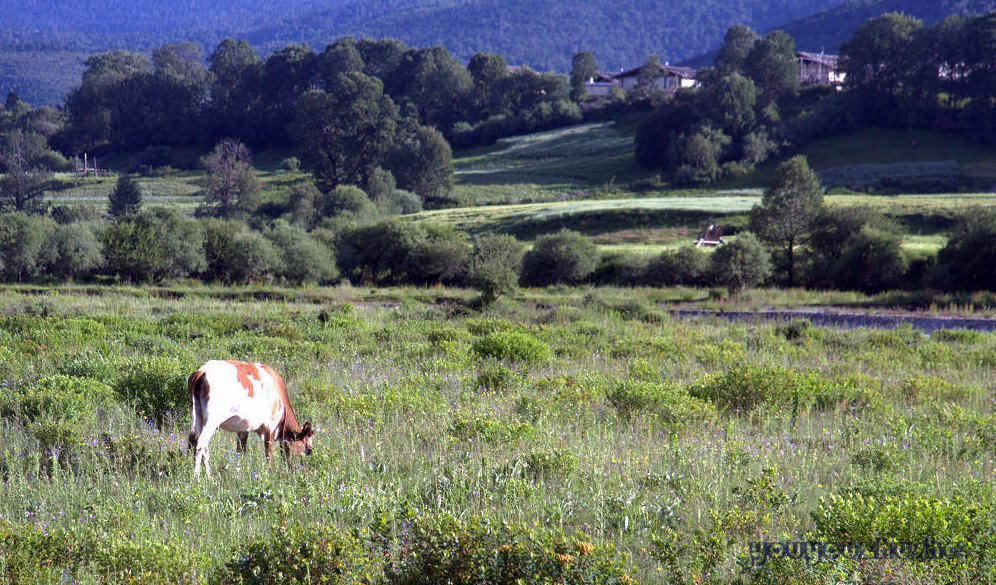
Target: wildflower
[(583, 548), (626, 579), (564, 559)]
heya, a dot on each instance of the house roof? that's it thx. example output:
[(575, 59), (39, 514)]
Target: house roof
[(685, 72), (822, 58)]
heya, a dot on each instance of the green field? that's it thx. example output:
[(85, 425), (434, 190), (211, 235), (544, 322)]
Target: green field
[(558, 418)]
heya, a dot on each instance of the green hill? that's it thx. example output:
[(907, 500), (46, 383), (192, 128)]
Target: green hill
[(829, 29)]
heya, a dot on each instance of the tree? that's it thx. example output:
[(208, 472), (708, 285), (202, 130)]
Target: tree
[(235, 72), (743, 263), (732, 104), (695, 157), (154, 244), (341, 136), (434, 84), (871, 262), (563, 257), (126, 198), (486, 69), (231, 188), (340, 57), (421, 161), (787, 209), (583, 68), (25, 244), (302, 258), (494, 265), (969, 258), (77, 250), (737, 43), (647, 77), (22, 187), (771, 64)]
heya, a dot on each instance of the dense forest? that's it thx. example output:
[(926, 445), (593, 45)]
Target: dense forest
[(543, 35)]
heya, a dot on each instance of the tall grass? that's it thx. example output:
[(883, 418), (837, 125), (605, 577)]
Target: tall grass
[(639, 431)]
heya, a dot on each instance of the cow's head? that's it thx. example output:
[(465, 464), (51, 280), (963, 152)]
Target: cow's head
[(301, 442)]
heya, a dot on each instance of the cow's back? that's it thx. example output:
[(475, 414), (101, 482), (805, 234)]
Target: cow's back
[(240, 396)]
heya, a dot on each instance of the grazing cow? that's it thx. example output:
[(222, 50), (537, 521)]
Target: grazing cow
[(240, 397)]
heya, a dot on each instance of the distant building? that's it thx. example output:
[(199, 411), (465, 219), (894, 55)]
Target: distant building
[(672, 79), (819, 69)]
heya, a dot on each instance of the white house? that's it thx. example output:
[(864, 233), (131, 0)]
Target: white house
[(671, 79)]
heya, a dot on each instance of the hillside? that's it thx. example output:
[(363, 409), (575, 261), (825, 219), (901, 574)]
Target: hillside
[(540, 34), (829, 29)]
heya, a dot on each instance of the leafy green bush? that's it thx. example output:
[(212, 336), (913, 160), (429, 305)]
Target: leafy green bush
[(687, 266), (563, 257), (671, 403), (494, 265), (746, 387), (743, 263), (512, 346), (494, 377), (480, 551), (550, 464), (57, 410), (155, 387), (294, 555), (301, 258)]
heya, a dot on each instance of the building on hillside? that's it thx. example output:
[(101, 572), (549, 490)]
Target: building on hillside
[(819, 69), (672, 79)]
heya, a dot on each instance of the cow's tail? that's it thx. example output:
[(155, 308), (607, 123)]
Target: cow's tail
[(196, 386)]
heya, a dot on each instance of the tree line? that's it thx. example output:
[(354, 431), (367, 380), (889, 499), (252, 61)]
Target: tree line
[(749, 106)]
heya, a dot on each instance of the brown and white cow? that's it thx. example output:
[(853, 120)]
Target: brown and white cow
[(240, 397)]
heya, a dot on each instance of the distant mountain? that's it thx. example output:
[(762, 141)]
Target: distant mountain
[(828, 30), (540, 33)]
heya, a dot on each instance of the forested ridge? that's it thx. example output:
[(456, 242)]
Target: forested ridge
[(540, 34)]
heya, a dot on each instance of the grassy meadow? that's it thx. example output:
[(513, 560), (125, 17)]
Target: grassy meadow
[(565, 435)]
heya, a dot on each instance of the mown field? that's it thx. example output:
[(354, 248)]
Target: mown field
[(567, 435)]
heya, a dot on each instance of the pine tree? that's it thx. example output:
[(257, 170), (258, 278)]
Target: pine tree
[(125, 199)]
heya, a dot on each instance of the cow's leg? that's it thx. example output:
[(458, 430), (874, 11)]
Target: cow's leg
[(240, 443), (203, 453), (267, 444)]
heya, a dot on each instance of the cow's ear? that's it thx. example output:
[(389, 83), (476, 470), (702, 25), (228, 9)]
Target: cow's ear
[(306, 430)]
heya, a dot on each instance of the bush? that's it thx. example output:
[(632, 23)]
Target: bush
[(291, 163), (480, 551), (58, 410), (969, 258), (24, 248), (303, 554), (746, 387), (153, 245), (870, 262), (512, 346), (743, 263), (253, 258), (671, 404), (380, 253), (686, 266), (348, 201), (564, 257), (494, 265), (441, 257), (300, 257), (76, 249), (155, 387)]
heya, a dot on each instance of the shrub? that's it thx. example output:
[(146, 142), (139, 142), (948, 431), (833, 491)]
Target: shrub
[(968, 260), (291, 163), (871, 262), (57, 410), (76, 249), (494, 377), (512, 346), (303, 554), (381, 252), (300, 257), (155, 387), (252, 257), (670, 403), (153, 245), (743, 263), (23, 244), (566, 257), (489, 429), (685, 266), (622, 269), (349, 201), (494, 265), (441, 257), (480, 551), (746, 387), (555, 463)]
